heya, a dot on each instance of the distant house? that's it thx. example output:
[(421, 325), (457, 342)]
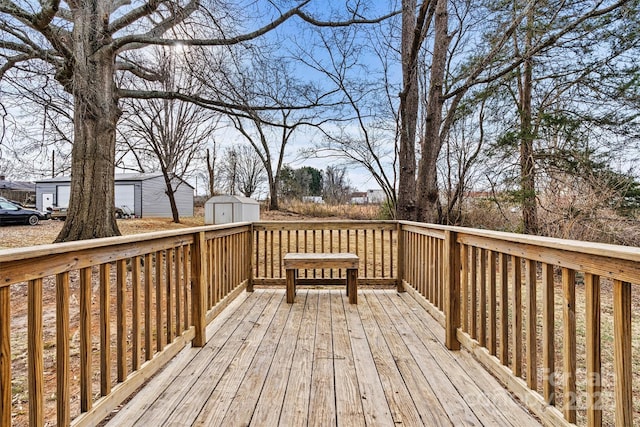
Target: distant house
[(20, 191), (376, 196), (359, 198), (372, 197), (313, 199), (144, 194)]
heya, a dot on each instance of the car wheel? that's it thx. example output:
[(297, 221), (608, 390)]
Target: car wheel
[(33, 220)]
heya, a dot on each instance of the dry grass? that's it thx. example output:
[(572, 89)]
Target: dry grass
[(316, 210)]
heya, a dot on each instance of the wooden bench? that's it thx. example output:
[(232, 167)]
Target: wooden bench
[(295, 261)]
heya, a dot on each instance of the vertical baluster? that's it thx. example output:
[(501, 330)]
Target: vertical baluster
[(105, 330), (532, 342), (473, 280), (391, 258), (493, 329), (169, 292), (594, 379), (178, 288), (187, 282), (382, 260), (5, 356), (136, 335), (417, 259), (35, 350), (226, 262), (321, 248), (366, 253), (159, 288), (281, 248), (504, 309), (464, 287), (148, 278), (548, 334), (121, 321), (431, 254), (482, 337), (258, 245), (271, 255), (622, 352), (516, 280), (63, 415), (266, 250), (374, 258), (212, 294), (569, 350), (85, 340)]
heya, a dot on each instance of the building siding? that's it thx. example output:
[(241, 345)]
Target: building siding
[(156, 202), (149, 195)]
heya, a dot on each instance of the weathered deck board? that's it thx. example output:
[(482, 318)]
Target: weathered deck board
[(322, 361)]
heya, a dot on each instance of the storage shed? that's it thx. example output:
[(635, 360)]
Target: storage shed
[(227, 209), (142, 193)]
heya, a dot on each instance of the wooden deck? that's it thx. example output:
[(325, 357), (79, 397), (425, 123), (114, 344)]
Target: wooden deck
[(323, 361)]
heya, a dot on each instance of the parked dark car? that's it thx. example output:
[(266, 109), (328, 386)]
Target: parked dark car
[(14, 214)]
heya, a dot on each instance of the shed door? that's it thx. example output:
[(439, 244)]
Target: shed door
[(47, 201), (125, 196), (223, 213), (64, 192)]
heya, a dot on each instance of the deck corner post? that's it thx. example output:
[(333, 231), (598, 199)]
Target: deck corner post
[(198, 289), (400, 258), (249, 259), (452, 289)]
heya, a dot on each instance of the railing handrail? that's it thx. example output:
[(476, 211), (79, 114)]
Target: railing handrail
[(15, 254), (628, 253)]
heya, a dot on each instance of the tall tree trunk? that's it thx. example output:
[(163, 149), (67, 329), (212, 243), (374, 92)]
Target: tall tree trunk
[(91, 212), (171, 194), (273, 193), (429, 208), (406, 205), (527, 163), (211, 164)]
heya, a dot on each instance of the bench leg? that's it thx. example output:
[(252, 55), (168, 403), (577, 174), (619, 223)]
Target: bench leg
[(291, 285), (352, 285)]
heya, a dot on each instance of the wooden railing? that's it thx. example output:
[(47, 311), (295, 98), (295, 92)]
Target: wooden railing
[(552, 319), (373, 241), (522, 303), (122, 308)]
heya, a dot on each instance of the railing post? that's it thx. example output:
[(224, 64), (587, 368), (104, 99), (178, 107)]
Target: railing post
[(249, 260), (5, 356), (400, 258), (198, 288), (452, 289)]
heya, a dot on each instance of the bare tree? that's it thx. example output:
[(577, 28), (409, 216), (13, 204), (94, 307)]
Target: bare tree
[(243, 170), (448, 81), (168, 132), (363, 128), (84, 44), (335, 185)]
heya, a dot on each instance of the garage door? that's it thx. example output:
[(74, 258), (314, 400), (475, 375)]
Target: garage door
[(64, 191), (125, 196)]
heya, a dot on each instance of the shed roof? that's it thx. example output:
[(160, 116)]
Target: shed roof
[(17, 185), (225, 198), (117, 177)]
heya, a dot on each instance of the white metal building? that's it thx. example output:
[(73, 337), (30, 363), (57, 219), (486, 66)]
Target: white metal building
[(144, 194), (227, 209)]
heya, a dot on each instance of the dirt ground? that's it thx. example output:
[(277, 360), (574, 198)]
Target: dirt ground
[(16, 236)]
